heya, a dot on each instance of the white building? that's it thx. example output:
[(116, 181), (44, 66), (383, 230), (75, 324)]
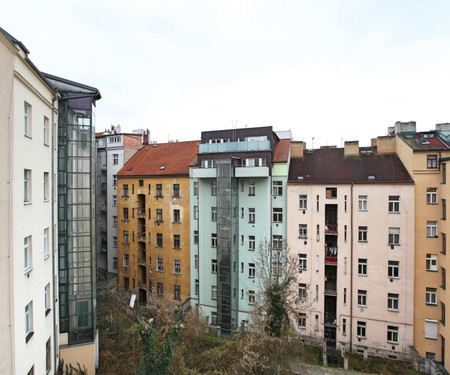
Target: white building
[(28, 265), (114, 149)]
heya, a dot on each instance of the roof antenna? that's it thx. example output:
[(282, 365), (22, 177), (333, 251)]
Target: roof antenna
[(312, 143)]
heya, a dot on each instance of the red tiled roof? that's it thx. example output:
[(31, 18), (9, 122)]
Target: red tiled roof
[(174, 157), (98, 134), (281, 153), (331, 166), (417, 142)]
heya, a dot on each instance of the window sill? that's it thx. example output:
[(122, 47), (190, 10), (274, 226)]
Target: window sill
[(29, 336), (26, 203), (176, 248), (27, 271), (431, 270), (46, 200), (47, 311), (432, 237), (302, 238), (362, 241), (394, 212), (430, 304), (392, 342), (159, 271), (179, 222), (46, 256), (392, 310)]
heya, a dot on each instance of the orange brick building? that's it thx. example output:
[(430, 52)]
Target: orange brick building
[(153, 221)]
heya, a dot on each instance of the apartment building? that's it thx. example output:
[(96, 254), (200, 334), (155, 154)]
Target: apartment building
[(48, 257), (425, 156), (351, 225), (238, 202), (153, 221), (114, 149)]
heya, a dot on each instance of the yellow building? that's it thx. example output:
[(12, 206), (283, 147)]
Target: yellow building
[(153, 221), (425, 155)]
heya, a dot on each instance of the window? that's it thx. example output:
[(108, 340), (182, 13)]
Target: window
[(196, 261), (394, 204), (48, 355), (159, 240), (28, 321), (362, 298), (159, 265), (115, 241), (255, 162), (362, 203), (331, 193), (196, 188), (213, 265), (362, 267), (251, 243), (393, 269), (159, 216), (141, 183), (431, 228), (27, 119), (46, 254), (195, 212), (213, 239), (444, 243), (277, 188), (345, 296), (277, 215), (444, 209), (251, 215), (114, 180), (251, 297), (251, 270), (126, 260), (302, 202), (431, 296), (197, 287), (213, 188), (196, 236), (114, 200), (361, 330), (176, 216), (214, 319), (27, 186), (47, 306), (344, 326), (317, 203), (394, 236), (160, 289), (46, 123), (362, 234), (301, 321), (208, 163), (302, 291), (214, 292), (251, 188), (46, 186), (432, 196), (177, 292), (431, 161), (125, 213), (302, 261), (277, 241), (176, 190), (431, 262), (115, 159), (176, 241), (393, 301), (176, 266), (27, 254), (125, 237), (125, 190), (159, 190), (444, 278), (443, 313), (115, 261), (431, 329), (213, 213), (392, 334), (302, 231)]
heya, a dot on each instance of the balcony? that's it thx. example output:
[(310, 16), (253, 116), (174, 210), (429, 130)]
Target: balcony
[(141, 260), (331, 255), (103, 187), (103, 208), (330, 288), (240, 146), (141, 236), (140, 211), (330, 318), (331, 228)]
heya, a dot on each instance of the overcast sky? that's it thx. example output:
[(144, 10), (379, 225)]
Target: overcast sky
[(334, 70)]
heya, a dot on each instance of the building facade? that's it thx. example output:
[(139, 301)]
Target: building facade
[(238, 203), (425, 155), (114, 149), (350, 224), (153, 221)]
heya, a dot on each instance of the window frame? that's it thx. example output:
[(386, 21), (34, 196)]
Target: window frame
[(392, 334), (393, 301), (361, 329), (431, 262), (29, 321), (302, 262), (394, 204), (251, 270), (362, 298), (362, 233), (431, 296), (159, 265), (362, 266), (362, 203), (176, 191), (303, 231), (303, 202), (432, 161), (277, 215), (27, 118), (432, 229), (432, 195), (27, 185), (251, 243), (251, 215), (394, 236), (177, 266), (393, 269), (214, 266), (277, 188), (27, 254)]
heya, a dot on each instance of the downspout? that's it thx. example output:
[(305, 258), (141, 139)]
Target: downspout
[(54, 299), (351, 267)]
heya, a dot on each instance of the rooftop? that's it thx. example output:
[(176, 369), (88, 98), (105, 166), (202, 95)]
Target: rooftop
[(161, 159), (331, 166), (281, 154), (423, 141)]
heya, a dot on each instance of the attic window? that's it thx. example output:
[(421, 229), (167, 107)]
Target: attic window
[(161, 168), (371, 177), (424, 142), (129, 169), (300, 178), (155, 145)]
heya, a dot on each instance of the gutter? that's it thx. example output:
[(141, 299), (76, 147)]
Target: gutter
[(351, 267)]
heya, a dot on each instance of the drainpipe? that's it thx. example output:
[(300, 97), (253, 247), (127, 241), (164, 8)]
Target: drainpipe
[(351, 267)]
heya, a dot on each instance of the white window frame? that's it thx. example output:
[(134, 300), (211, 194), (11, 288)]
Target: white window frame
[(213, 188), (432, 195), (303, 231), (251, 243), (393, 269), (432, 229), (27, 119), (126, 260), (47, 306), (46, 129), (362, 267), (251, 270), (196, 261), (251, 297), (213, 213), (251, 215), (361, 330), (214, 266), (195, 212), (159, 265), (114, 200), (392, 334), (251, 188), (214, 292), (431, 296), (27, 186), (301, 321), (46, 243), (195, 186), (46, 186), (362, 298), (362, 233), (303, 202), (177, 266), (277, 214), (302, 262), (393, 301), (115, 159), (302, 287), (394, 236), (277, 188), (27, 254), (394, 204), (213, 239), (362, 203), (28, 320), (431, 262)]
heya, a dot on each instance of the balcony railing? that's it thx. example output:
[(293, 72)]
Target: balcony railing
[(330, 318), (141, 260), (141, 211), (141, 236), (331, 254), (331, 229), (330, 288)]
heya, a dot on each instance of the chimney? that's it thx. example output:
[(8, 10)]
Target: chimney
[(297, 149), (386, 145), (351, 148), (444, 127), (403, 127), (145, 137)]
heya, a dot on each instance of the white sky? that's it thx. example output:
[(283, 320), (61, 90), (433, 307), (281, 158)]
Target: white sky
[(335, 70)]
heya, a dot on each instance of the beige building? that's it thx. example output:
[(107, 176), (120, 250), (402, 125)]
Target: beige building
[(425, 156), (351, 225)]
